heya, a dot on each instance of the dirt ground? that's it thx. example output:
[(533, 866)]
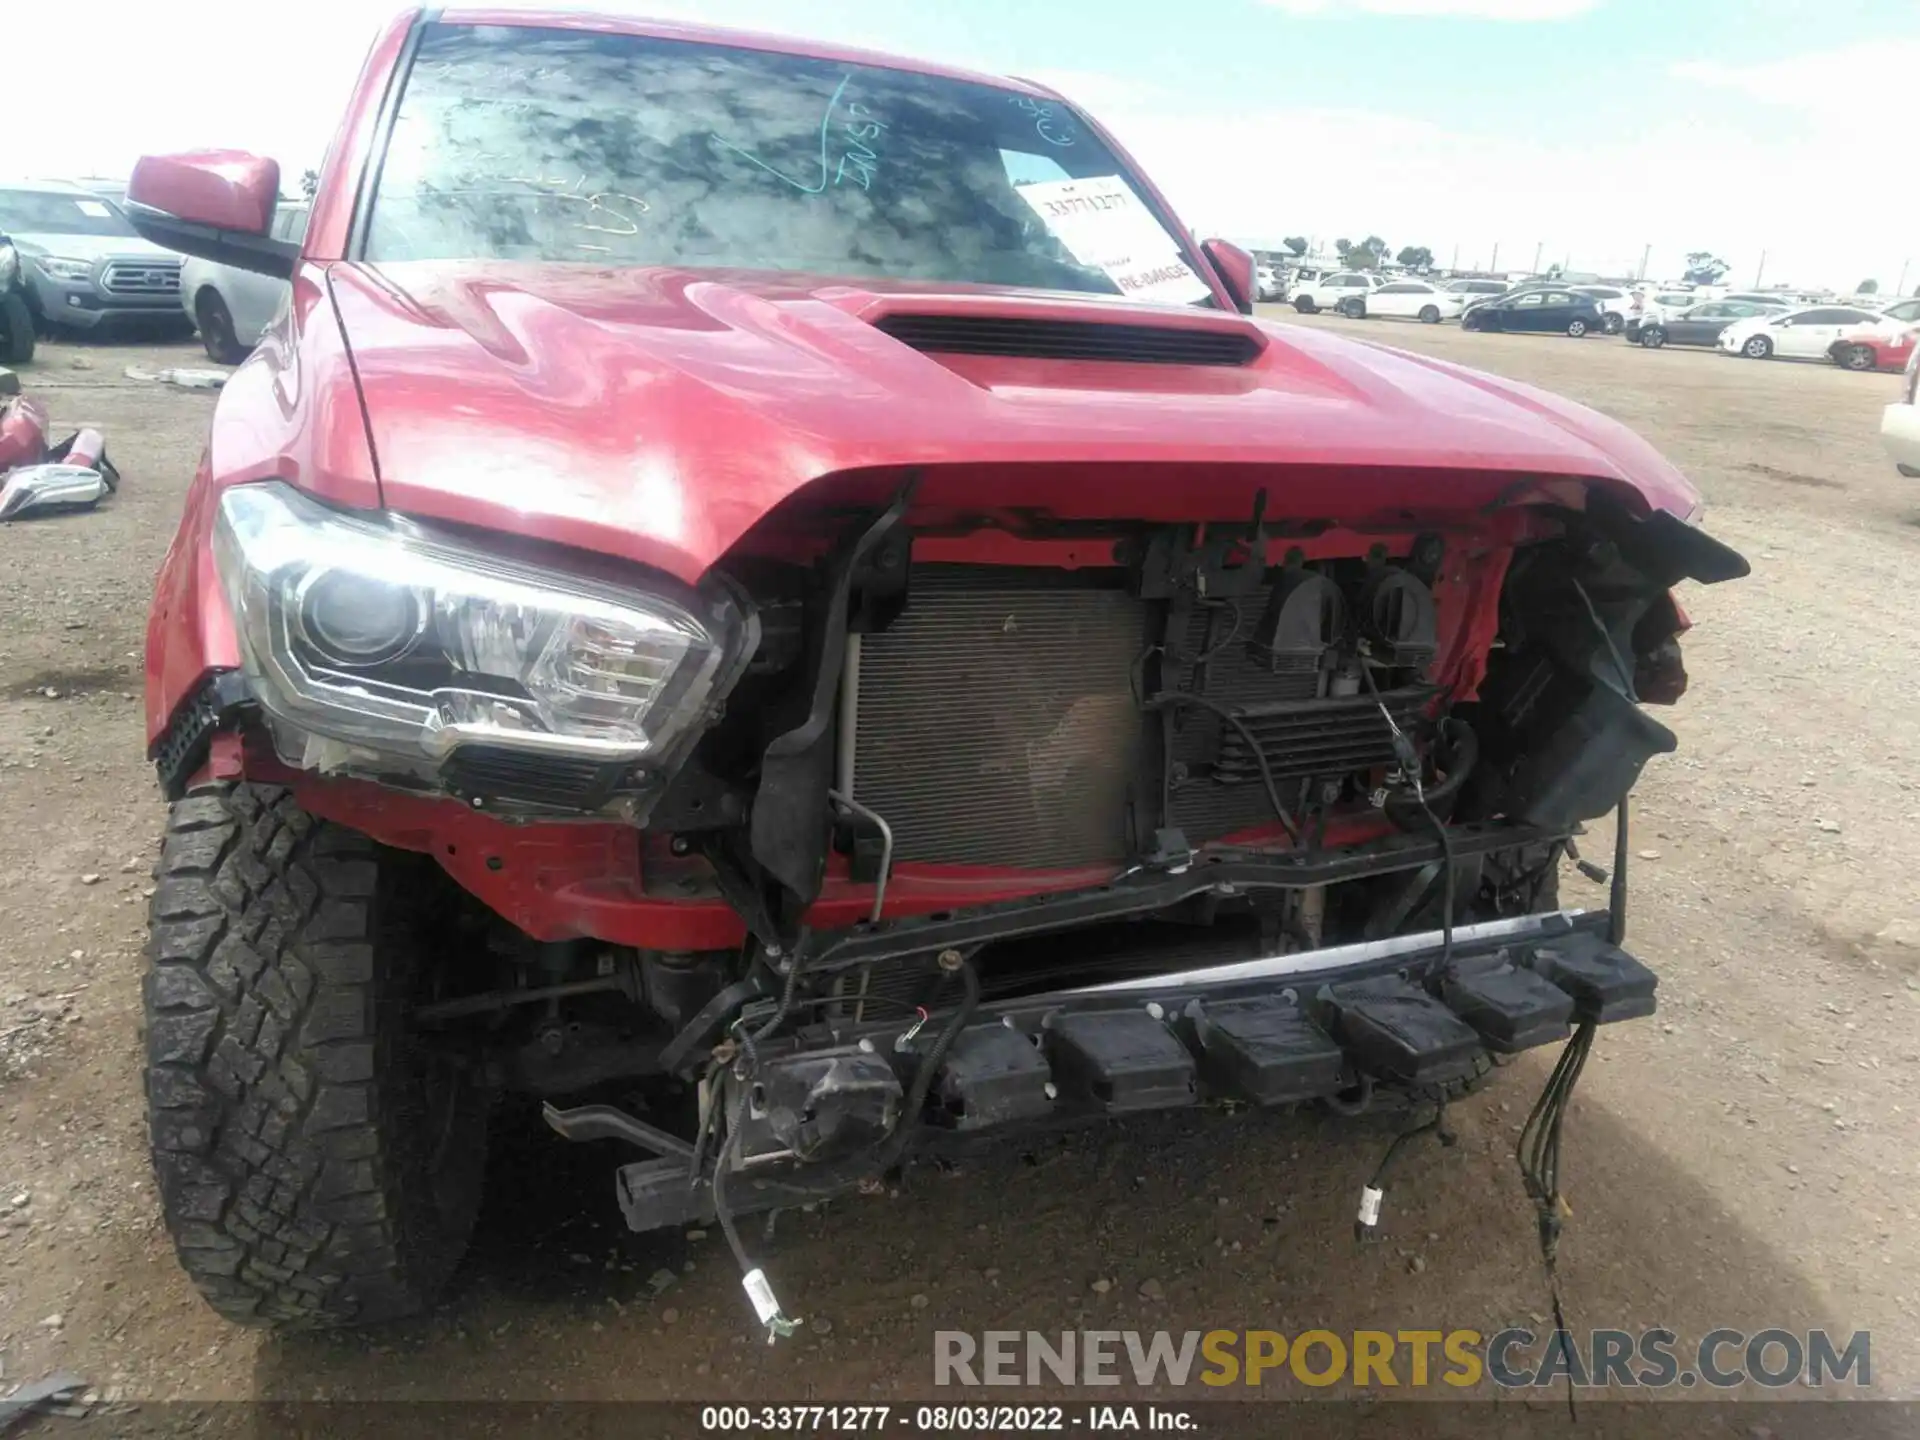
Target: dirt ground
[(1746, 1159)]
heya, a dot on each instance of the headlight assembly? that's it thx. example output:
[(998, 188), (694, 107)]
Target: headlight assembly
[(375, 646), (61, 268)]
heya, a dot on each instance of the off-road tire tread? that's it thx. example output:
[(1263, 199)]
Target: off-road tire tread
[(286, 1131)]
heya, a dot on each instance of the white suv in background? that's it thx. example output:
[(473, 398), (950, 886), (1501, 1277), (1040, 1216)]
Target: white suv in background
[(1327, 292), (1412, 300), (1615, 304)]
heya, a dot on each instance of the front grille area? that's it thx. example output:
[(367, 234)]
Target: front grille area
[(997, 722), (150, 277)]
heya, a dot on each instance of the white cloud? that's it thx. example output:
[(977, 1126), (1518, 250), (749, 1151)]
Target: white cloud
[(1685, 179), (1464, 9), (1853, 86)]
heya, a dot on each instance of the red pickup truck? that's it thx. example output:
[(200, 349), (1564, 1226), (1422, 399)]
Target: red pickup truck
[(774, 601)]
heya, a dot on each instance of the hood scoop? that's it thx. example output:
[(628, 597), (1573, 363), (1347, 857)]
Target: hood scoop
[(1032, 337)]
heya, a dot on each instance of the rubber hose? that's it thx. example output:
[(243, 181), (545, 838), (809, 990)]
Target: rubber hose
[(1462, 750)]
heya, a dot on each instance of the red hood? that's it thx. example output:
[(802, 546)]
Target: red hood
[(658, 415)]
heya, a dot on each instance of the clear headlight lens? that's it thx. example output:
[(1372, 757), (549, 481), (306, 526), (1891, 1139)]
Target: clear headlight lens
[(61, 268), (49, 487), (398, 643)]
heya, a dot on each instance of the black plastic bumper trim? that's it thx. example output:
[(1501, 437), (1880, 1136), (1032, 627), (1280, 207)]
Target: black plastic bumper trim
[(215, 705), (1318, 1054)]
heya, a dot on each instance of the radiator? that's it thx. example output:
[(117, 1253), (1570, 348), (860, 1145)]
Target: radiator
[(994, 722)]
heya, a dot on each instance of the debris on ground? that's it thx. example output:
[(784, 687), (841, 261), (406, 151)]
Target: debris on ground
[(184, 377), (58, 1394)]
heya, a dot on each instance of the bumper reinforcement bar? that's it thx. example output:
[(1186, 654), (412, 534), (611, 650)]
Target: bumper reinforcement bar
[(1332, 1024)]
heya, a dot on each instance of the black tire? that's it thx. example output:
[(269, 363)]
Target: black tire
[(1614, 322), (217, 334), (1652, 336), (315, 1168), (1304, 304), (1354, 309), (1858, 357), (1429, 314), (1577, 327), (1758, 348), (16, 330)]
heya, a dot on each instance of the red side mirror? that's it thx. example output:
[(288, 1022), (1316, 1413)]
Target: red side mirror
[(221, 189), (216, 204), (1234, 266)]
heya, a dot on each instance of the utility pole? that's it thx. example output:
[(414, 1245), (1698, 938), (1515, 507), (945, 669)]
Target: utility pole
[(1495, 266), (1456, 256), (1762, 270), (1645, 256), (1537, 249), (1901, 288)]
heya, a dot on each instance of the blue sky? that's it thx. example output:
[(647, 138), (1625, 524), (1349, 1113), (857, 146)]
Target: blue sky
[(1575, 129)]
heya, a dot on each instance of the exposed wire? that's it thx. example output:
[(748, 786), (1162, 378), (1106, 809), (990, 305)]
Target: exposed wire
[(1617, 893), (1538, 1153), (1163, 702), (1376, 1188), (1606, 635), (1239, 624), (1410, 763)]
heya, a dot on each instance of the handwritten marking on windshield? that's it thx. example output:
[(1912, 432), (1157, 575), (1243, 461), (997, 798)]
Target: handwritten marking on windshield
[(858, 164), (614, 206), (860, 127), (1048, 123)]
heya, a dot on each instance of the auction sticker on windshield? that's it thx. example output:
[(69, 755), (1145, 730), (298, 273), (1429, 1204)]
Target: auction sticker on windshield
[(1102, 222)]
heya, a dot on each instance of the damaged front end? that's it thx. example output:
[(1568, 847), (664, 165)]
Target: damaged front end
[(1255, 811), (961, 823)]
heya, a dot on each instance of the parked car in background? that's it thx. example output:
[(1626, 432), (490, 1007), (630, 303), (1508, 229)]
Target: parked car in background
[(1695, 325), (83, 264), (16, 320), (1805, 333), (1556, 310), (1327, 292), (1786, 299), (1653, 302), (1267, 283), (1874, 348), (1407, 300), (230, 307), (1894, 319), (1476, 290), (1616, 304), (1900, 424)]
